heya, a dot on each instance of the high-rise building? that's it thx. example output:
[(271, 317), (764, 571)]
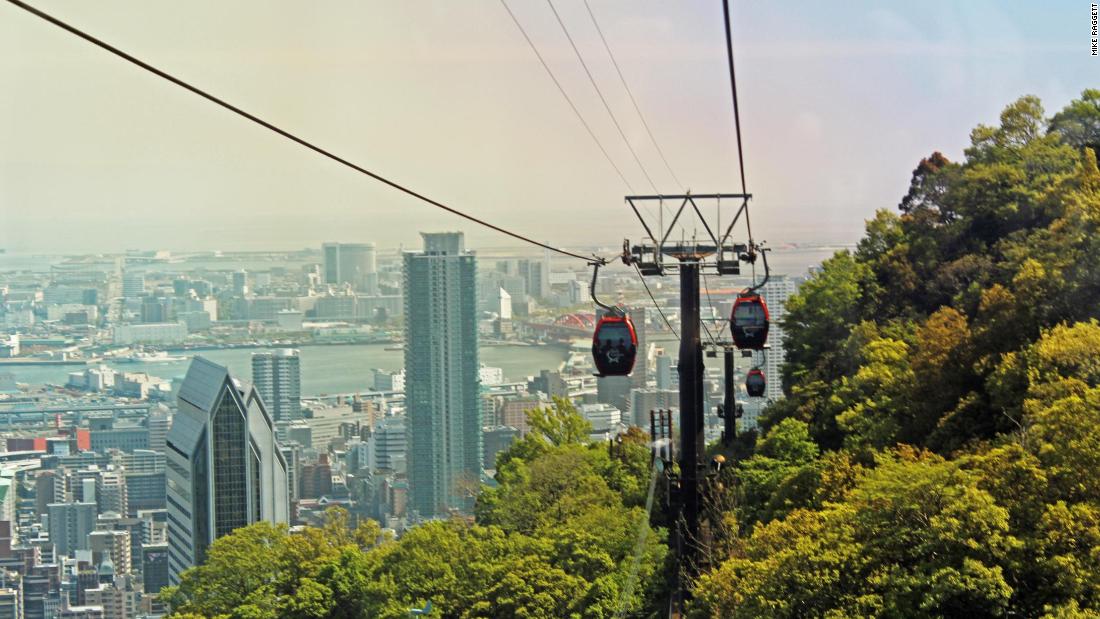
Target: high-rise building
[(117, 598), (133, 284), (70, 524), (513, 411), (614, 390), (442, 390), (351, 263), (113, 545), (156, 309), (292, 453), (316, 478), (665, 371), (225, 469), (639, 378), (549, 382), (157, 422), (277, 375), (536, 275), (144, 472), (505, 304), (49, 487), (392, 441), (154, 567), (110, 492), (644, 401), (11, 599), (240, 283), (498, 439), (543, 289)]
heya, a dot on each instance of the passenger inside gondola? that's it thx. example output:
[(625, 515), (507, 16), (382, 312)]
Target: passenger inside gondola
[(614, 348), (750, 322)]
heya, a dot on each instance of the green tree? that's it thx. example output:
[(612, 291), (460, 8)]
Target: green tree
[(237, 578), (559, 424), (551, 426), (1078, 124), (915, 537), (780, 455)]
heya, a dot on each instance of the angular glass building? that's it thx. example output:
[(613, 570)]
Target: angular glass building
[(441, 376), (225, 469)]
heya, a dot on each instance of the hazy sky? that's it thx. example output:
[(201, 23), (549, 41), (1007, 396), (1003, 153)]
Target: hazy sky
[(839, 102)]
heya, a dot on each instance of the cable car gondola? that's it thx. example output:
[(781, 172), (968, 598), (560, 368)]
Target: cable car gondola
[(756, 383), (614, 345), (749, 321)]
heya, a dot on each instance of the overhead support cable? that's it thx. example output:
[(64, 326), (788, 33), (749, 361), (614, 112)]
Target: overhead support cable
[(736, 109), (286, 134), (654, 300), (566, 96), (603, 99), (710, 302), (630, 94)]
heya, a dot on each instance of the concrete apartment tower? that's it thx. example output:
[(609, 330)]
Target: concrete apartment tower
[(225, 469), (441, 376), (277, 375), (351, 263), (133, 284)]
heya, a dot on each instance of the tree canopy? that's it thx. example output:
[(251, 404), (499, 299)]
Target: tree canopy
[(556, 537), (943, 383)]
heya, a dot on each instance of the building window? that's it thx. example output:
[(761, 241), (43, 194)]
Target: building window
[(230, 467)]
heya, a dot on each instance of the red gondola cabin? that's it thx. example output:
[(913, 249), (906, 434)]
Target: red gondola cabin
[(614, 346), (756, 383), (749, 322)]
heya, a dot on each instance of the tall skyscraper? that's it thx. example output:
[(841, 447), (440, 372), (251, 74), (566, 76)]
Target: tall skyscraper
[(351, 263), (133, 284), (505, 304), (536, 274), (441, 375), (240, 283), (69, 525), (225, 469), (277, 375), (639, 378), (666, 374)]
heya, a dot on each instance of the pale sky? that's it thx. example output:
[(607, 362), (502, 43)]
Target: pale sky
[(839, 101)]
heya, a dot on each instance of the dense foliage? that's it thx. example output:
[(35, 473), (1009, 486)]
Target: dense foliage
[(938, 453), (555, 537)]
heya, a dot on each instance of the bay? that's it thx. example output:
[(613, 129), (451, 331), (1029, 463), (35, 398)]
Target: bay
[(325, 369)]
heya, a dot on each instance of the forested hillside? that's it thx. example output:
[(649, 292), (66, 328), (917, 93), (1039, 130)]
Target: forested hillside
[(937, 455)]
